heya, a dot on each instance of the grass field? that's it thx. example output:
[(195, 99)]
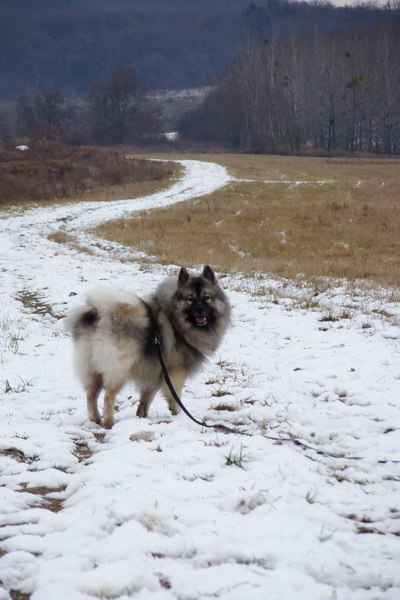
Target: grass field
[(284, 216)]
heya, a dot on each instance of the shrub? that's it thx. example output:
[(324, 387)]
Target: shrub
[(52, 171)]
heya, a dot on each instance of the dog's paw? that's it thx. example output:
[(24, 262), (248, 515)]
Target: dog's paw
[(141, 411), (174, 408)]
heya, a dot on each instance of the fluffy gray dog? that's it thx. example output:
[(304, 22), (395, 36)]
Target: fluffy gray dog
[(114, 339)]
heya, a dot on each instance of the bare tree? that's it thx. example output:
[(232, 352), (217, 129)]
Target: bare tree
[(114, 106), (390, 85), (46, 116)]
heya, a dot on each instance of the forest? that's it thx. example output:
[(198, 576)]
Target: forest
[(337, 92), (285, 76)]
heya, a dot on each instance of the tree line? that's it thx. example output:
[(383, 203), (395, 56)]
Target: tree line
[(319, 90), (111, 113), (304, 76)]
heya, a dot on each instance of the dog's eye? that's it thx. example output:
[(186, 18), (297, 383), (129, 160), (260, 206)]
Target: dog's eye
[(206, 297), (190, 299)]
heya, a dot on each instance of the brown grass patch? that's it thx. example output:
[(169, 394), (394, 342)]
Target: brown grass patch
[(16, 595), (48, 497), (316, 216), (89, 173)]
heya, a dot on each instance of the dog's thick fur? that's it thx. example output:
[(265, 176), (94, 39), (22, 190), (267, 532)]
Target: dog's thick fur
[(114, 339)]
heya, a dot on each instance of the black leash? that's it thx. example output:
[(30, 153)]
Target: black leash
[(168, 381)]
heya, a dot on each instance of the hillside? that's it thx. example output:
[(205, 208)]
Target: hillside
[(172, 44)]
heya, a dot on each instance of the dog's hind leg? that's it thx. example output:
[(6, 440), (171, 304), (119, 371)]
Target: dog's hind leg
[(178, 378), (109, 406), (146, 398), (93, 390)]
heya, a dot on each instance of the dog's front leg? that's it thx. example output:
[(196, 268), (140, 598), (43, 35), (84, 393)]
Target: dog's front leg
[(146, 398), (178, 378)]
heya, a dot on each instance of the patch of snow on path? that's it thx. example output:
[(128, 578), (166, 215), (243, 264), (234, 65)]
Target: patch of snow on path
[(160, 509)]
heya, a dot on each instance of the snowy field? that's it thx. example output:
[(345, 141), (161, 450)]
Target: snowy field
[(307, 507)]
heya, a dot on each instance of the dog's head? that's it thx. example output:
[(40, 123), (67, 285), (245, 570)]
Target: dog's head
[(200, 295)]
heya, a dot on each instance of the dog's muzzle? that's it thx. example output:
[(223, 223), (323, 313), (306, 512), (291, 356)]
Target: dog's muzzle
[(200, 316), (201, 320)]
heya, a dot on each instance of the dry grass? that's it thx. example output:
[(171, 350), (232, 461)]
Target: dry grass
[(16, 595), (286, 215), (57, 172)]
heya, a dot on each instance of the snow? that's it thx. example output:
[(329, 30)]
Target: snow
[(306, 507)]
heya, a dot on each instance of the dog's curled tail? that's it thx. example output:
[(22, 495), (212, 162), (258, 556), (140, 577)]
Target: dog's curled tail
[(80, 319), (99, 302)]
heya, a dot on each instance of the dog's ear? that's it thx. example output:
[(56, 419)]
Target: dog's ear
[(183, 277), (209, 274)]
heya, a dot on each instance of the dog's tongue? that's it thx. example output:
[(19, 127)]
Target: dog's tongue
[(201, 320)]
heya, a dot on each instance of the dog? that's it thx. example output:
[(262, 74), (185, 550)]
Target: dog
[(114, 336)]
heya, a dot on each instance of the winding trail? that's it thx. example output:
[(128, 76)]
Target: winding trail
[(23, 234)]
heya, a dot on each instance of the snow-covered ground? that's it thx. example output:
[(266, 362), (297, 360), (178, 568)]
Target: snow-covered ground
[(305, 508)]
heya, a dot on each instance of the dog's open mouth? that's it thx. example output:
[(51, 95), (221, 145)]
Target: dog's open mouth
[(201, 321)]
